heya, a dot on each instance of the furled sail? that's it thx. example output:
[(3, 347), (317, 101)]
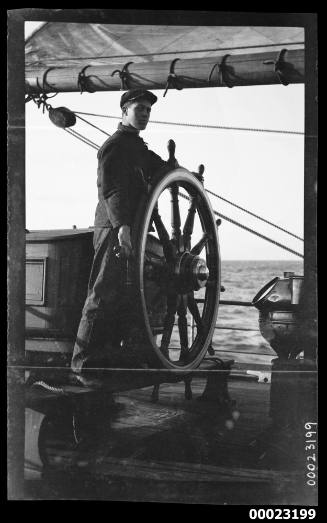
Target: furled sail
[(67, 57)]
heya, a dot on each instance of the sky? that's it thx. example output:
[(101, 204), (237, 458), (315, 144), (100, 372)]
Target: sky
[(260, 171)]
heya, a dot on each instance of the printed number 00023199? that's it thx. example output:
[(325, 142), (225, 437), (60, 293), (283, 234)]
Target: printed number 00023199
[(282, 513), (311, 446)]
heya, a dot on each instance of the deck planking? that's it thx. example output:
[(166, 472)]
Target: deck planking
[(146, 451)]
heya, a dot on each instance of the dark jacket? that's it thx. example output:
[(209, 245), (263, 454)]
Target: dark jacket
[(124, 165)]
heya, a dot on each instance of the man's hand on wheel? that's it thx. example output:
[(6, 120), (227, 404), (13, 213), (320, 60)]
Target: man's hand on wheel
[(124, 239)]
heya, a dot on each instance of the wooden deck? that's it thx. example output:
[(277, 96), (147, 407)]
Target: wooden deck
[(176, 450)]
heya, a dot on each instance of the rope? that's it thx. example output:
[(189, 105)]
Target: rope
[(92, 144), (257, 46), (251, 230), (204, 126), (92, 125), (259, 234), (208, 191), (226, 327), (48, 387), (42, 100), (255, 215), (82, 138), (230, 128)]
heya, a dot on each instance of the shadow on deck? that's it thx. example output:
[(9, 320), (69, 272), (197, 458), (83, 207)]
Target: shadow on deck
[(175, 450)]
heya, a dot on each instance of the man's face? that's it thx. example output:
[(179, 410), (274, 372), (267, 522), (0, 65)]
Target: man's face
[(137, 114)]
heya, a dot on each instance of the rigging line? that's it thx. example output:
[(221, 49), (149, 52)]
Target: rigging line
[(83, 141), (257, 46), (81, 138), (225, 199), (259, 234), (234, 204), (92, 125), (255, 215), (282, 246), (84, 138), (99, 115), (253, 129)]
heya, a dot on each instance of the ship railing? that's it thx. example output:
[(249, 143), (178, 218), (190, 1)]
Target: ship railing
[(226, 327)]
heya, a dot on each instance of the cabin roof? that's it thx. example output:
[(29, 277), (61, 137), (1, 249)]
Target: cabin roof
[(56, 234)]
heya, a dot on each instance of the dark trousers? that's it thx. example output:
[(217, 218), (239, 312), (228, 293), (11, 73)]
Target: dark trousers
[(101, 327)]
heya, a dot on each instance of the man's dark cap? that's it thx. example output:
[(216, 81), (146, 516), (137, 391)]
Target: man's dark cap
[(133, 94)]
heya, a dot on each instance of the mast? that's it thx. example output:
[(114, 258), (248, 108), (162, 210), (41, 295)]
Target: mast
[(219, 70)]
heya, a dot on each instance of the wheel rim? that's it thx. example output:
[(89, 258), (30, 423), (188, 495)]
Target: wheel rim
[(182, 271)]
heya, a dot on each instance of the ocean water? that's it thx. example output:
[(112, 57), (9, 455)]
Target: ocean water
[(242, 280), (237, 327)]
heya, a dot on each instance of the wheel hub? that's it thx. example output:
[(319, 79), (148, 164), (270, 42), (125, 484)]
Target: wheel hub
[(191, 273)]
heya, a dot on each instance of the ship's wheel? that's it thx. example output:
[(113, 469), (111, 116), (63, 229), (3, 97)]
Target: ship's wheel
[(177, 269)]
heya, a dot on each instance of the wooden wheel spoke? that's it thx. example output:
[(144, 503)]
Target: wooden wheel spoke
[(194, 310), (182, 326), (175, 215), (189, 223), (175, 263), (196, 250), (163, 234), (168, 323)]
